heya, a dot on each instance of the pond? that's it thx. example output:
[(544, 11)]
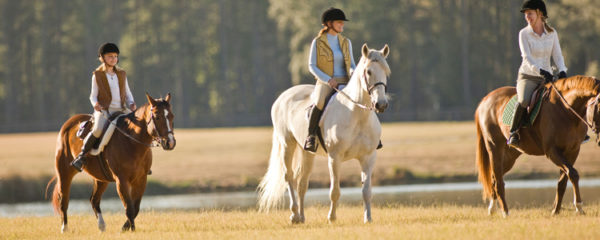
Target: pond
[(519, 193)]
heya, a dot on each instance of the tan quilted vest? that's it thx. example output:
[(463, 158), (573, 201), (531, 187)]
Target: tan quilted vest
[(325, 54), (104, 95)]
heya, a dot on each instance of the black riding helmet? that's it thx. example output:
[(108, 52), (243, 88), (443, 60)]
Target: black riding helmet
[(533, 5), (333, 14), (107, 48)]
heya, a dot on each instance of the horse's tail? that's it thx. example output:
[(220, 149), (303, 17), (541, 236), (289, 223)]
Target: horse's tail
[(483, 162), (55, 194), (272, 186)]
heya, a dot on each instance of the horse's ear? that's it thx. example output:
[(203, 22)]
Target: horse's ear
[(168, 98), (150, 99), (385, 51), (365, 50)]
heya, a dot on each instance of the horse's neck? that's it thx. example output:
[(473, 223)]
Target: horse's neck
[(577, 99), (355, 89), (138, 123)]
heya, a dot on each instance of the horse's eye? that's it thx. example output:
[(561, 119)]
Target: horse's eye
[(369, 72)]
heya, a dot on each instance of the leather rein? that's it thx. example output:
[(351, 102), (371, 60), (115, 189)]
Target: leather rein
[(156, 140), (595, 102), (369, 90)]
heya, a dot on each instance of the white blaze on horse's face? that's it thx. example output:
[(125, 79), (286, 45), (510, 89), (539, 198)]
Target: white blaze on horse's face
[(170, 136), (376, 73)]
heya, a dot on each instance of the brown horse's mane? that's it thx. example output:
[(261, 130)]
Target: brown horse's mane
[(578, 82)]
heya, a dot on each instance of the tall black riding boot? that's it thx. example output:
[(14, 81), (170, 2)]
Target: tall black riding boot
[(513, 140), (88, 143), (313, 123)]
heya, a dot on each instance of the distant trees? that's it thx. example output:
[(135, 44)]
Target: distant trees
[(225, 61)]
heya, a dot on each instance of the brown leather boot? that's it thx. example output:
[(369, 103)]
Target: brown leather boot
[(513, 140), (311, 143), (88, 143)]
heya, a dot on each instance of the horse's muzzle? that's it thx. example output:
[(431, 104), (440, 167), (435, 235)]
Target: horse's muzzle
[(169, 142), (381, 106)]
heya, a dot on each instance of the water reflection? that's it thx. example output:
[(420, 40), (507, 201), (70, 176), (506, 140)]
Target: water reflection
[(519, 194)]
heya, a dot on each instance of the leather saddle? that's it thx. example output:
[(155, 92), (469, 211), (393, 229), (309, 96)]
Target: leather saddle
[(86, 126)]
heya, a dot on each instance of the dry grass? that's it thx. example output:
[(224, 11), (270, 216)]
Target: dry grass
[(237, 156), (390, 222)]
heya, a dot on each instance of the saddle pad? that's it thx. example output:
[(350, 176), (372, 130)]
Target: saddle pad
[(107, 135), (509, 110)]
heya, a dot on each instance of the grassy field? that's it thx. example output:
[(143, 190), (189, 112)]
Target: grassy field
[(389, 222), (238, 156)]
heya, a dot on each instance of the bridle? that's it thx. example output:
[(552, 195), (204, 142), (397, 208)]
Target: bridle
[(158, 138), (369, 90)]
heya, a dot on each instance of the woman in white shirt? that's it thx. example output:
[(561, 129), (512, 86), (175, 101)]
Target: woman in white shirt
[(538, 43), (110, 94)]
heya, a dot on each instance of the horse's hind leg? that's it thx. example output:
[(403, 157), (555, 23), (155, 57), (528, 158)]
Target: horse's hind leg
[(499, 160), (99, 188), (288, 157), (302, 175), (367, 163), (62, 189), (560, 192)]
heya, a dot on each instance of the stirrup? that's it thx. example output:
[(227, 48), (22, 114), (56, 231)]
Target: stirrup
[(309, 145), (514, 139), (586, 139), (78, 163)]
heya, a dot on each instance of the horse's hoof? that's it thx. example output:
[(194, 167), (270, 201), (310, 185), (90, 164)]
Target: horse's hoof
[(101, 224), (295, 219), (505, 214), (126, 226), (579, 208), (368, 220), (64, 228), (331, 219)]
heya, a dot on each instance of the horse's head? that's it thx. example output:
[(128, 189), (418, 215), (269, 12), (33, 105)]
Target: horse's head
[(161, 118), (376, 73), (593, 116)]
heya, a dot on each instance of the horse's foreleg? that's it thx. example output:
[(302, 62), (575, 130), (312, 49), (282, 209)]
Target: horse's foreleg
[(561, 160), (334, 191), (99, 188), (574, 177), (124, 190), (367, 165), (304, 170), (560, 192)]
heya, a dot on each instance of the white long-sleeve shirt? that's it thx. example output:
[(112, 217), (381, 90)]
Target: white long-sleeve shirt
[(536, 51), (113, 82)]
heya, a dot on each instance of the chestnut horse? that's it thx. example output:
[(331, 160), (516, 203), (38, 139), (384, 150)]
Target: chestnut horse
[(127, 155), (557, 133)]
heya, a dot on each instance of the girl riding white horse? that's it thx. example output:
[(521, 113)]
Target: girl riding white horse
[(350, 130)]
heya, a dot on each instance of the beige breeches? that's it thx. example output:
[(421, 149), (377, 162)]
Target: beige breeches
[(101, 118), (525, 86), (323, 91)]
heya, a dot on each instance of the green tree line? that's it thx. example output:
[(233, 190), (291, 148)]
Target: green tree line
[(226, 61)]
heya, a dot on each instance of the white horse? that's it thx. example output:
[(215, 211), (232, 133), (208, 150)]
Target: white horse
[(351, 130)]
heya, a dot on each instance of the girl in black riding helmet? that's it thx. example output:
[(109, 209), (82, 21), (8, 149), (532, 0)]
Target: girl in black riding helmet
[(110, 94)]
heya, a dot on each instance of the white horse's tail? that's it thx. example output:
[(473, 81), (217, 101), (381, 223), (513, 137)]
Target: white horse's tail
[(272, 187)]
